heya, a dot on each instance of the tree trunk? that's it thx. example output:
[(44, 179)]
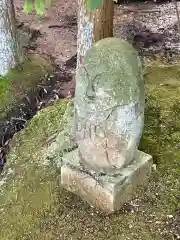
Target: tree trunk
[(93, 26), (9, 55)]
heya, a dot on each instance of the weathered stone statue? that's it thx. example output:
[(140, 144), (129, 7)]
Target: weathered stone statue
[(109, 110), (109, 106)]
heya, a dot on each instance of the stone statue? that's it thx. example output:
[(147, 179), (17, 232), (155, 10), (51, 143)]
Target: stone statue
[(109, 104)]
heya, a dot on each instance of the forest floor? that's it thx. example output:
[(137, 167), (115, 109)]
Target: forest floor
[(150, 27)]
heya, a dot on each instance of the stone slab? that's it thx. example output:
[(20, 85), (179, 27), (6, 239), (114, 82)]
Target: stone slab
[(106, 193)]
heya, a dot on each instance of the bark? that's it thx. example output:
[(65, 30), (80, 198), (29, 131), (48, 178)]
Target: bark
[(177, 14), (93, 26), (9, 55)]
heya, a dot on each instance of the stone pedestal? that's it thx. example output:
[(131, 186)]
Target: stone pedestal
[(106, 193)]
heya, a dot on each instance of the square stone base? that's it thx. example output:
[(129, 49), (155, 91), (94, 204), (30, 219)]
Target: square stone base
[(106, 193)]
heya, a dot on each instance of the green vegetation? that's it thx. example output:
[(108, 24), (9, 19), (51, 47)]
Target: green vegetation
[(31, 188), (34, 206), (18, 82)]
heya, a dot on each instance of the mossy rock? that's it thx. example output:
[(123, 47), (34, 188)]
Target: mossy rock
[(33, 205), (27, 182), (18, 82)]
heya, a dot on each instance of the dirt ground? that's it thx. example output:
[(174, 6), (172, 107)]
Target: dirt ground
[(58, 29), (150, 27)]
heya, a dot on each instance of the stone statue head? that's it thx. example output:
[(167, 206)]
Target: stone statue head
[(109, 105)]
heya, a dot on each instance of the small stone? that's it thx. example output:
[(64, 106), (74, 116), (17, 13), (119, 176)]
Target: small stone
[(158, 222), (177, 236), (154, 167), (130, 226)]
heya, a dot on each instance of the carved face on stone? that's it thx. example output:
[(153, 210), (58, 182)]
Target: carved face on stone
[(109, 103)]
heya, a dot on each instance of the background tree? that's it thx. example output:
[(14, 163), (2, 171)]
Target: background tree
[(9, 50), (95, 22)]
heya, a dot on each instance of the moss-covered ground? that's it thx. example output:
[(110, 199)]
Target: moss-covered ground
[(34, 206), (18, 81)]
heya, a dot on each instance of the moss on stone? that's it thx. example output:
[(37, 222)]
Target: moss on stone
[(34, 206), (30, 191), (17, 82)]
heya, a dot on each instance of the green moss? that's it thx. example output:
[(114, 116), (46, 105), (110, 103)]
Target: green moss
[(30, 189), (34, 206), (17, 82), (164, 80)]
